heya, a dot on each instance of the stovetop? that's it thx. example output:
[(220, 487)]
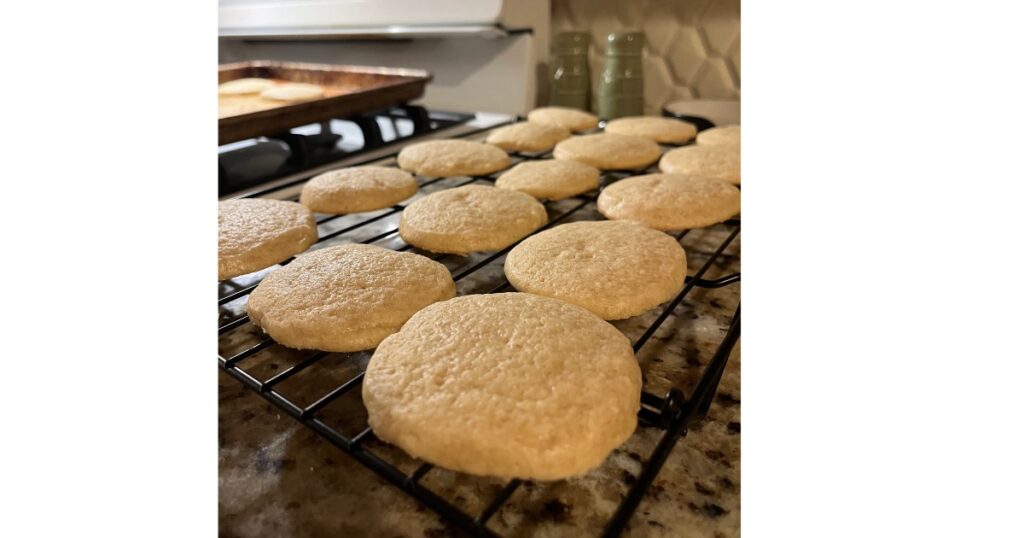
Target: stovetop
[(269, 162)]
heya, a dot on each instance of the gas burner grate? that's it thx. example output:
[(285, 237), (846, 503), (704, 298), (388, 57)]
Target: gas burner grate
[(672, 412), (251, 162)]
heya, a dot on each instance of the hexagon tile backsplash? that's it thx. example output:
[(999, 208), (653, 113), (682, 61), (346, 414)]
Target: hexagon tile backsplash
[(693, 46)]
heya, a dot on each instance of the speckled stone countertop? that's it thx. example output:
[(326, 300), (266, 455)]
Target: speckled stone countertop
[(278, 478)]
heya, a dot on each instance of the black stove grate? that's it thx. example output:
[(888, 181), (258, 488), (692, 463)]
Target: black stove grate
[(252, 162), (673, 412)]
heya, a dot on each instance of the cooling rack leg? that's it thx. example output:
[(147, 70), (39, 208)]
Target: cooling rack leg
[(661, 452)]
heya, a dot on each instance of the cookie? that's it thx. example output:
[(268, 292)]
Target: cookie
[(724, 135), (609, 151), (447, 158), (718, 162), (506, 385), (293, 92), (664, 130), (244, 86), (670, 201), (567, 118), (255, 233), (550, 179), (527, 136), (470, 219), (615, 269), (346, 298), (357, 189)]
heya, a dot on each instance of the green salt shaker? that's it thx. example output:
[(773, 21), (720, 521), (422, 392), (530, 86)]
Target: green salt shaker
[(570, 72), (621, 91)]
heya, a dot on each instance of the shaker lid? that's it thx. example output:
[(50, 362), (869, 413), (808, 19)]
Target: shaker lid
[(628, 43), (571, 43)]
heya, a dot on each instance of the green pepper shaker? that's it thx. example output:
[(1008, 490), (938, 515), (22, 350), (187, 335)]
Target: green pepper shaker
[(621, 91), (570, 71)]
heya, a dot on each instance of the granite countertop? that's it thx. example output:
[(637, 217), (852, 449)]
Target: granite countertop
[(278, 478)]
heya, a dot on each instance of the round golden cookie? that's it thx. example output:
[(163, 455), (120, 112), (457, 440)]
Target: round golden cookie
[(670, 201), (255, 233), (293, 92), (244, 86), (724, 135), (446, 158), (346, 298), (609, 151), (665, 130), (550, 179), (527, 136), (567, 118), (616, 269), (470, 219), (357, 189), (718, 162), (506, 385)]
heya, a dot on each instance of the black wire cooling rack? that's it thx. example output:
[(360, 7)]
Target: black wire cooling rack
[(672, 412)]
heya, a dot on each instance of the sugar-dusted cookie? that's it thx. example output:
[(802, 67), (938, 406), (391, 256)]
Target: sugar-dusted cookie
[(550, 179), (507, 385), (357, 189), (616, 269), (670, 201), (346, 298), (609, 151), (256, 233), (470, 218)]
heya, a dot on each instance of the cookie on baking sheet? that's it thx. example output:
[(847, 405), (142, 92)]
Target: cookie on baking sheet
[(293, 92), (718, 162), (670, 201), (550, 179), (664, 130), (616, 269), (446, 158), (470, 219), (357, 189), (244, 86), (527, 136), (724, 135), (567, 118), (255, 233), (506, 385), (609, 151), (346, 298)]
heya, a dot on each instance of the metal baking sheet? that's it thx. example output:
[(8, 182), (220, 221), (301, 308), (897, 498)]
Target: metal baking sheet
[(348, 90)]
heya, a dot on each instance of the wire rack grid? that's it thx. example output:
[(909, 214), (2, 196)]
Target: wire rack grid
[(671, 412)]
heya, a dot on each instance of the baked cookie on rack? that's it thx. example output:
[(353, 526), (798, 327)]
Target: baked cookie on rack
[(255, 233), (470, 219), (716, 136), (568, 118), (670, 201), (346, 298), (715, 161), (663, 130), (510, 385), (609, 151), (615, 269), (447, 158), (527, 136), (357, 189), (550, 179)]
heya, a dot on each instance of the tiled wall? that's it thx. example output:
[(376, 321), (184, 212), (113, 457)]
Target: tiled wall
[(693, 46)]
